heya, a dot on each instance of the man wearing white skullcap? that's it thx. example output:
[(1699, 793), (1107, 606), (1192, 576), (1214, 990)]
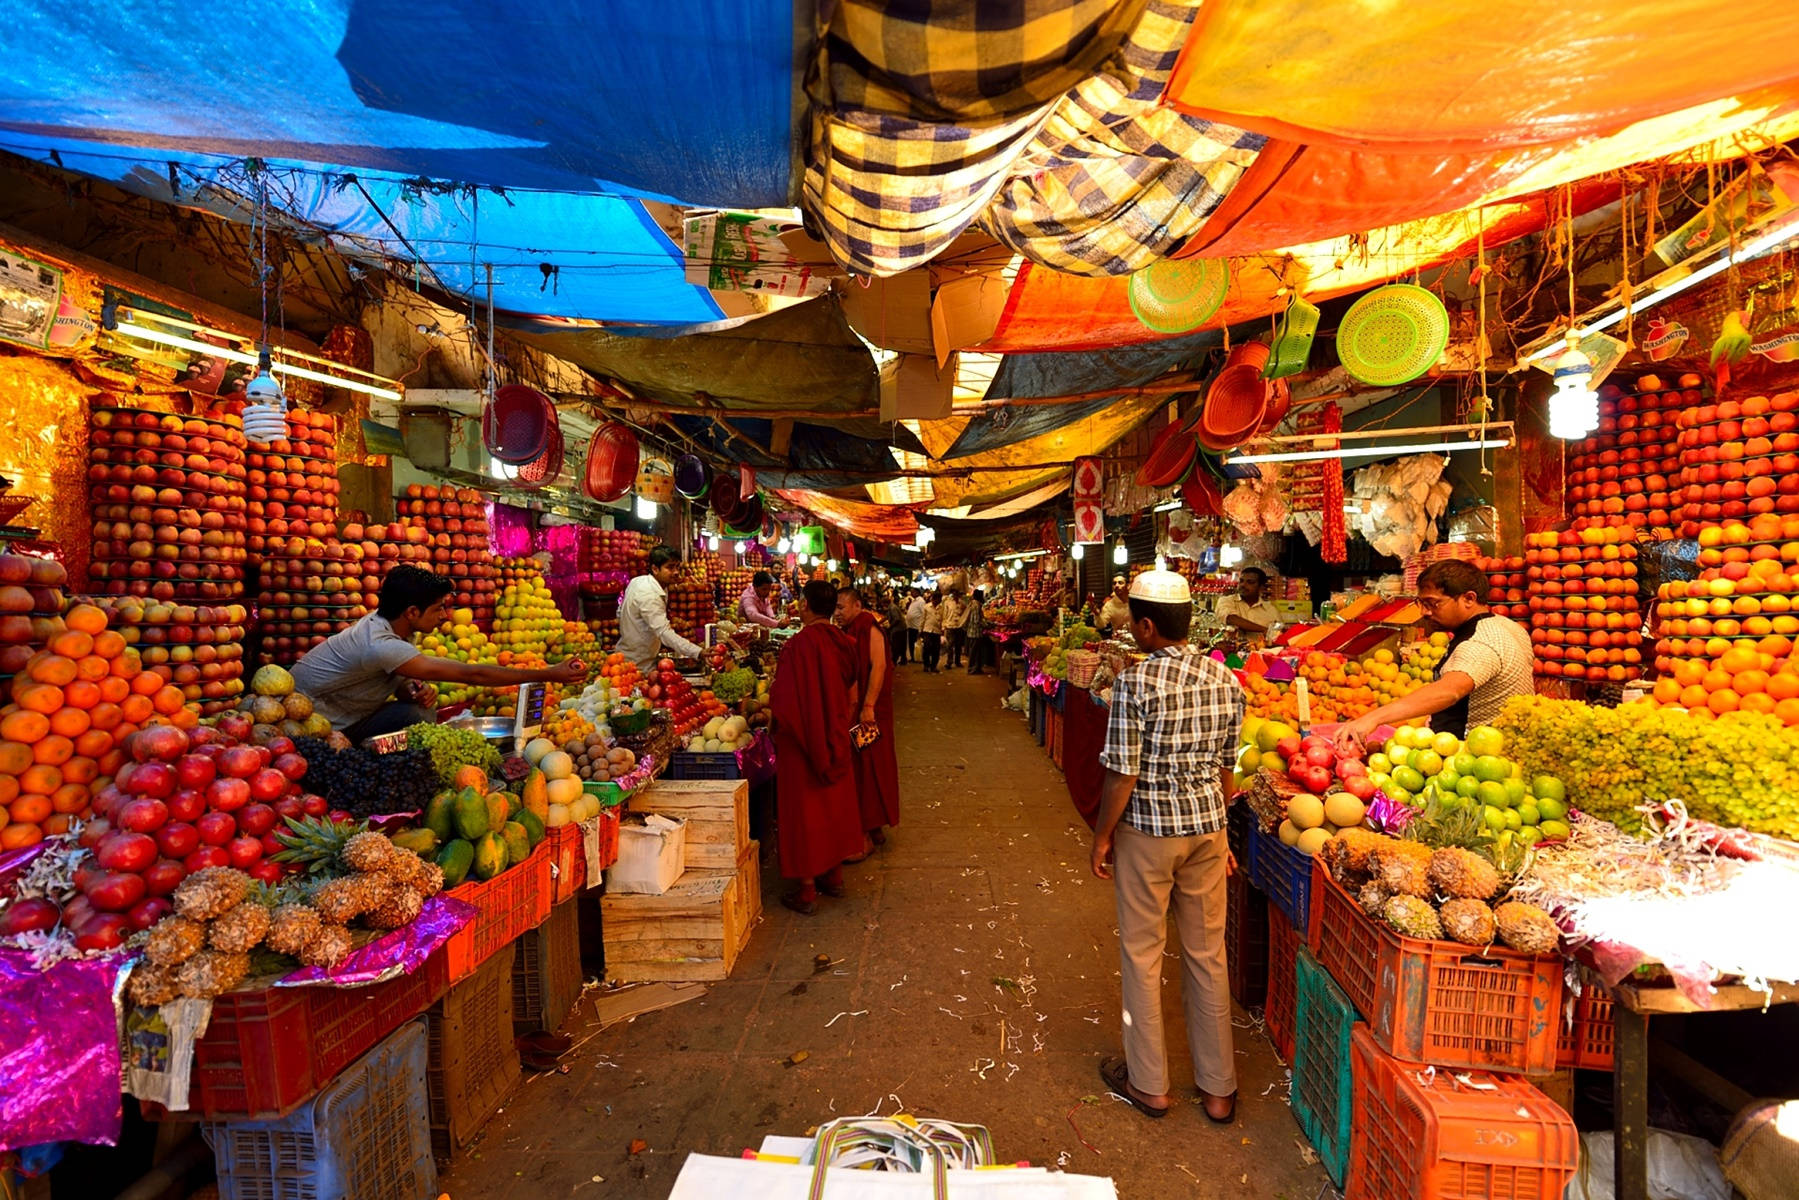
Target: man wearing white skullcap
[(1171, 742)]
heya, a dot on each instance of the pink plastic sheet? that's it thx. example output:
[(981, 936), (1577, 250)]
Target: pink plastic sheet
[(59, 1051), (395, 953)]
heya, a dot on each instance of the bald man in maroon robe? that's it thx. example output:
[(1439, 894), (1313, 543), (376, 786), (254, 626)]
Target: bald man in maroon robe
[(877, 765), (814, 705)]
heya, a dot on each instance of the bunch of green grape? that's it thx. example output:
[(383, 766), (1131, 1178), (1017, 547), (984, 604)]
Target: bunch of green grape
[(452, 746)]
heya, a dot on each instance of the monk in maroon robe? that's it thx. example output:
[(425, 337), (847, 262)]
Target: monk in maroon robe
[(877, 765), (814, 704)]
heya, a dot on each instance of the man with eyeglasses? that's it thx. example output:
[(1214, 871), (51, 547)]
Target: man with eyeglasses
[(1489, 659)]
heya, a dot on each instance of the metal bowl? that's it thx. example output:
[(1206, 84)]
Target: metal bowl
[(493, 728)]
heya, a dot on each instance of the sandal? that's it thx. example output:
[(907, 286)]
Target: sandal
[(799, 904), (1230, 1114), (1117, 1077), (831, 884)]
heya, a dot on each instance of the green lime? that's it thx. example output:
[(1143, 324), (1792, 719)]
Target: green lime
[(1512, 820), (1491, 793), (1399, 756), (1553, 829), (1379, 762), (1426, 762), (1552, 808), (1529, 835), (1467, 786), (1447, 779), (1528, 813), (1464, 763), (1548, 787), (1515, 791), (1446, 744), (1408, 778), (1495, 818), (1484, 739)]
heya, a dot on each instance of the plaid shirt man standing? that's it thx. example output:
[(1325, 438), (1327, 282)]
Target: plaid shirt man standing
[(1171, 743)]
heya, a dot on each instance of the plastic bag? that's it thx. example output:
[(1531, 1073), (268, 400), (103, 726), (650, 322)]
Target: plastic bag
[(1681, 1167)]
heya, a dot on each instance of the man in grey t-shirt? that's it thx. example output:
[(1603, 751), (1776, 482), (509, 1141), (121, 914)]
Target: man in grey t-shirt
[(353, 675)]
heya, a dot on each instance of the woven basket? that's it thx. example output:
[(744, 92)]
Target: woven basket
[(1081, 667)]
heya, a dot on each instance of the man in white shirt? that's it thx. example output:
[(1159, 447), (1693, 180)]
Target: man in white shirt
[(914, 626), (757, 604), (643, 628), (933, 634), (1249, 611), (955, 626), (1115, 613)]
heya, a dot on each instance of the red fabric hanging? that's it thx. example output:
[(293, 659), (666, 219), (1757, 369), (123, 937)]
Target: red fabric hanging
[(1335, 545)]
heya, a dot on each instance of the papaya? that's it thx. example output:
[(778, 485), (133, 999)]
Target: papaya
[(422, 842), (440, 816), (536, 795), (498, 811), (518, 843), (490, 857), (456, 858), (469, 776), (534, 829), (472, 819)]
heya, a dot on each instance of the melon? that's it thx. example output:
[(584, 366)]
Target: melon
[(557, 816), (556, 765), (1312, 840), (563, 791), (1289, 833), (710, 728), (1306, 811), (1343, 810), (536, 748), (271, 680)]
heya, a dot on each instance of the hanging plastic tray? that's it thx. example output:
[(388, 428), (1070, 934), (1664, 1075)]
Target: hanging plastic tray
[(545, 466), (1293, 340), (515, 423), (1393, 335), (1170, 457), (1176, 295), (611, 462), (1233, 407)]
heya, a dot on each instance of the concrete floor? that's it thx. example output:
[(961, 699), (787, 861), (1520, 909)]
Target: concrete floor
[(973, 978)]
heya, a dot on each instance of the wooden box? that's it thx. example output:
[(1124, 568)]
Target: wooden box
[(717, 813), (749, 887), (693, 931)]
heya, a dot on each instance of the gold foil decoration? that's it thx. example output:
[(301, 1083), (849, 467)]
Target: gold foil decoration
[(43, 450)]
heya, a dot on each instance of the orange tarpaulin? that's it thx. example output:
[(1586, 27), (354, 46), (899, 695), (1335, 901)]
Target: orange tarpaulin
[(880, 522), (1474, 75)]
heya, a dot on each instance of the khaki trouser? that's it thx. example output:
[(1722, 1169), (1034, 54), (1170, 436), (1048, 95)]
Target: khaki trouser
[(1149, 873)]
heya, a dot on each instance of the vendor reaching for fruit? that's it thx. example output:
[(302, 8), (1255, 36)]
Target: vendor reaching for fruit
[(1489, 660), (352, 675), (643, 628), (757, 607)]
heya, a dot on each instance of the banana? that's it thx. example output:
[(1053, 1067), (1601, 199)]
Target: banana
[(1733, 338)]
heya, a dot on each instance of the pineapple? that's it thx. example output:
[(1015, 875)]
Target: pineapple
[(1412, 917), (174, 940), (1373, 897), (1467, 921), (1462, 873), (317, 845), (1401, 867), (343, 900), (328, 947), (1357, 845), (211, 972), (367, 852), (1526, 928), (152, 985), (210, 893), (240, 930), (291, 927), (425, 878), (399, 908)]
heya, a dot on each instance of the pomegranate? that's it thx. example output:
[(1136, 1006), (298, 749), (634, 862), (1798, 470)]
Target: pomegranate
[(116, 891), (165, 874), (122, 851), (227, 795), (216, 828), (26, 916)]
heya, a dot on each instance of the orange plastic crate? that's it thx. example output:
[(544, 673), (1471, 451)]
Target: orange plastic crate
[(1419, 1133), (1439, 1002), (513, 901), (1586, 1042), (1280, 1009), (568, 862)]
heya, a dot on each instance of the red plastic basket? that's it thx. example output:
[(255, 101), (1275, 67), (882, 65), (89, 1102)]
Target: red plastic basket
[(611, 462), (266, 1052), (1586, 1042), (1439, 1002), (513, 901), (516, 423), (568, 862), (1280, 1008), (546, 466), (1420, 1134), (609, 818), (1246, 940)]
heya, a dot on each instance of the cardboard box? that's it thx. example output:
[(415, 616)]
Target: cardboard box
[(650, 858), (717, 812)]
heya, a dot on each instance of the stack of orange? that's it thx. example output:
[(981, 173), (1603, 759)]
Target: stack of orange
[(73, 702), (620, 672), (1585, 623)]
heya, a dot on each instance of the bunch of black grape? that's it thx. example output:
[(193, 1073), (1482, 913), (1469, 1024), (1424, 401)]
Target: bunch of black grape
[(365, 784)]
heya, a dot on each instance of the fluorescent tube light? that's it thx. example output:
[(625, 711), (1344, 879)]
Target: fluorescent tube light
[(1371, 451), (145, 333)]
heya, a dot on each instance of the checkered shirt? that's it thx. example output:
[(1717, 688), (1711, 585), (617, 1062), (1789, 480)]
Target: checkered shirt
[(1040, 121), (1174, 724)]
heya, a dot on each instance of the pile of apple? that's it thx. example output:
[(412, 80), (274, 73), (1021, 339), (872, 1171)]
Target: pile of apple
[(311, 588), (1335, 788), (691, 607), (293, 485), (197, 648), (1627, 471), (183, 802), (31, 604), (1739, 458), (455, 523), (665, 687), (622, 550), (384, 546), (1585, 622), (1507, 585), (167, 494)]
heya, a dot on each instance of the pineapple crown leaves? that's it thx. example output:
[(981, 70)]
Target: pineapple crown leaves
[(315, 842)]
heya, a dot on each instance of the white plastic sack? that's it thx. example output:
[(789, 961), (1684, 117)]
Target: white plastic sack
[(705, 1177), (1681, 1167)]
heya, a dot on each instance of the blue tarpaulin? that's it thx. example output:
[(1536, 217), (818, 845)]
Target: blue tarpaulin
[(553, 253), (1036, 375), (690, 100)]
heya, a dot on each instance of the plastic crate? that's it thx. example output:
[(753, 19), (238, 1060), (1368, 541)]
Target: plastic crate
[(1035, 714), (1440, 1003), (1418, 1134), (1057, 728), (1246, 940), (1238, 820), (1279, 1009), (1586, 1040), (1323, 1076), (513, 901), (546, 972), (689, 764), (473, 1063), (608, 850), (368, 1135), (266, 1052), (1284, 873)]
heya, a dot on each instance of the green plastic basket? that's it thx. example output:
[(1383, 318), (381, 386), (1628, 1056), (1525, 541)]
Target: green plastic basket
[(1323, 1094), (1293, 340), (1176, 295), (1393, 335)]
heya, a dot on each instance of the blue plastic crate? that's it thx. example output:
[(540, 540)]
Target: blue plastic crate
[(689, 764), (368, 1135), (1284, 873), (1323, 1091)]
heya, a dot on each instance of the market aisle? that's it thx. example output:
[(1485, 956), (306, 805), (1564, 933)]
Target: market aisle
[(974, 979)]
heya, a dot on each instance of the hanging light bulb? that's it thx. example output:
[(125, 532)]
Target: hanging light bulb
[(1574, 408), (265, 405), (646, 508), (741, 547), (712, 541), (1120, 555), (831, 565), (784, 545), (1079, 551)]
